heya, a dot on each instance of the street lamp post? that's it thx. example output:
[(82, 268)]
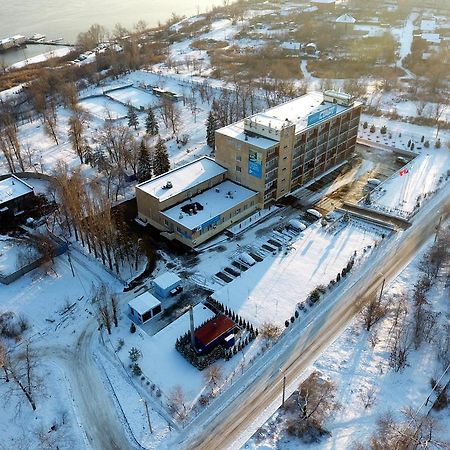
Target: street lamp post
[(284, 388)]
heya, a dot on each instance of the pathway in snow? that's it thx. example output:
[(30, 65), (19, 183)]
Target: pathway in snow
[(405, 36)]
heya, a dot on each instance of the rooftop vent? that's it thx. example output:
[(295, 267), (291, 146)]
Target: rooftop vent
[(168, 185)]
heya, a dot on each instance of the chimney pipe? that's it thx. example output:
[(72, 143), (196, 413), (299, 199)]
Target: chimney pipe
[(191, 317)]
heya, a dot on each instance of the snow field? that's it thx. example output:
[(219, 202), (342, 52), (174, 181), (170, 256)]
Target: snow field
[(136, 97), (104, 108)]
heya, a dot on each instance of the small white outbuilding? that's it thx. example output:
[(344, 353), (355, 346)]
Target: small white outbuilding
[(144, 307)]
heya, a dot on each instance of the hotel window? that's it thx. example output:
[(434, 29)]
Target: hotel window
[(238, 158), (238, 169)]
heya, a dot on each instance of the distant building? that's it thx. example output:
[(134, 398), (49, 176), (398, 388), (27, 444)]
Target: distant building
[(11, 42), (217, 331), (345, 22), (324, 5), (14, 195), (144, 307), (166, 284)]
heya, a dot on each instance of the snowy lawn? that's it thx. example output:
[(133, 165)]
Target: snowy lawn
[(270, 290), (103, 107), (15, 254), (136, 97)]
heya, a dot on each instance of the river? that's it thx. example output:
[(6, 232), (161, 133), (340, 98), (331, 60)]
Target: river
[(65, 19)]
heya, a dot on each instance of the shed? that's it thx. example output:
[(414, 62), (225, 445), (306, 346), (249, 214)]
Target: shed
[(144, 307), (213, 333), (166, 283), (14, 194)]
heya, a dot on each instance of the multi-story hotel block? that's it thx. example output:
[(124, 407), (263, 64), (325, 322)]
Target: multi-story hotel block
[(258, 160), (277, 151)]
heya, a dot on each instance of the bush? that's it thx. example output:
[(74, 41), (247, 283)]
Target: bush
[(372, 128), (438, 144), (314, 296), (426, 144), (383, 129), (132, 328), (136, 370), (120, 344), (286, 323), (365, 125)]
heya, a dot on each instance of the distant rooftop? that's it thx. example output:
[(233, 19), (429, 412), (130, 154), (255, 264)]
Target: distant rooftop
[(12, 188), (182, 178), (345, 18), (144, 302), (214, 201), (167, 279)]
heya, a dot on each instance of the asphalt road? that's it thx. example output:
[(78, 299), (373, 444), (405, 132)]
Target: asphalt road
[(223, 430)]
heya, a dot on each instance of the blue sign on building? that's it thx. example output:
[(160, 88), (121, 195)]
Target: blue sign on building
[(254, 164), (210, 222), (322, 114)]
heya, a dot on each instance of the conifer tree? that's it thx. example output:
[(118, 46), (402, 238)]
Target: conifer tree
[(161, 162), (144, 169), (211, 126), (151, 125), (133, 120)]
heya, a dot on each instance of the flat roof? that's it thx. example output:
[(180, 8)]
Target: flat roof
[(296, 111), (215, 201), (167, 279), (236, 130), (213, 329), (144, 303), (12, 188), (182, 178)]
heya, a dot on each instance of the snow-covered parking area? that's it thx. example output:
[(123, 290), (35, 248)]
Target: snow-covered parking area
[(270, 290)]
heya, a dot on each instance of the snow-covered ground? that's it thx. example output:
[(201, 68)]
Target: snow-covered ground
[(57, 53), (136, 97), (14, 254), (104, 108), (359, 366)]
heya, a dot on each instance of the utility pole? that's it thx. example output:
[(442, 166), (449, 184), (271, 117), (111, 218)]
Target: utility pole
[(148, 416), (284, 389)]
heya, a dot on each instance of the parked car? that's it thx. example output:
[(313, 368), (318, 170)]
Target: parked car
[(314, 213)]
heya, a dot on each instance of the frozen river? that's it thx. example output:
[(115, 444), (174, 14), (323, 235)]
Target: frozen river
[(56, 18)]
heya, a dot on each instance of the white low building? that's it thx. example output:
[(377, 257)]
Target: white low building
[(144, 307)]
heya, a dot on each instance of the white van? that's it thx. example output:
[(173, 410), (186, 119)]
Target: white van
[(373, 181), (296, 225), (246, 259), (314, 213)]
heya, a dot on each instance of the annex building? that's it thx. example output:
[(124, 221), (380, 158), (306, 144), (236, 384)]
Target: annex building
[(257, 161)]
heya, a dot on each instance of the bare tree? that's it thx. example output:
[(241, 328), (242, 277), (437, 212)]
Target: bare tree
[(213, 376), (177, 403), (77, 123), (373, 312), (315, 402), (4, 360)]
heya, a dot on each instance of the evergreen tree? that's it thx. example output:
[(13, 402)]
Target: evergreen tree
[(161, 162), (144, 168), (151, 125), (133, 120), (211, 126)]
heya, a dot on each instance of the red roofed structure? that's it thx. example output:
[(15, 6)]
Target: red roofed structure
[(213, 333)]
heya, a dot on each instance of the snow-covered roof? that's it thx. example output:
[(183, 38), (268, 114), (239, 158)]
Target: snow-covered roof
[(345, 18), (428, 25), (236, 130), (269, 123), (215, 202), (144, 303), (433, 38), (323, 2), (182, 178), (12, 188), (167, 280)]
